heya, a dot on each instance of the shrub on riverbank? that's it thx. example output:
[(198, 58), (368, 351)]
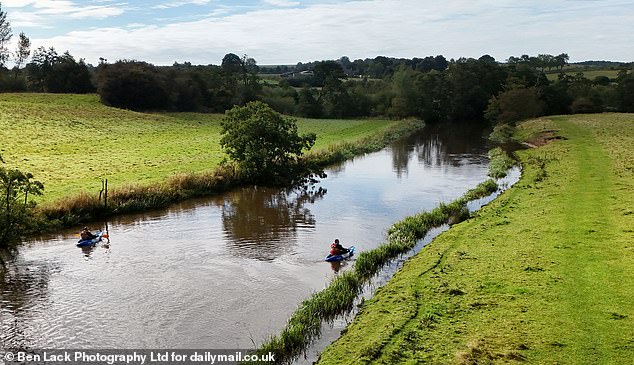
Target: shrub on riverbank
[(16, 210)]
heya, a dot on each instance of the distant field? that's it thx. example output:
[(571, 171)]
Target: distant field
[(589, 74), (71, 142)]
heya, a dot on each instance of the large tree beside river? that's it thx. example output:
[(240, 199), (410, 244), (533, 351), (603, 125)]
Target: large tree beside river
[(265, 144)]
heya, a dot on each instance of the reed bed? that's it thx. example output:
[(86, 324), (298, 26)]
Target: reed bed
[(500, 163)]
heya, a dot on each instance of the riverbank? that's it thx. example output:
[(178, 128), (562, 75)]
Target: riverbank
[(150, 160), (544, 274), (71, 142), (261, 256), (339, 296)]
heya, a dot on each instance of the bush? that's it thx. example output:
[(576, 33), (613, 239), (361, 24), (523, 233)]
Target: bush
[(16, 210), (514, 105), (265, 145), (132, 85)]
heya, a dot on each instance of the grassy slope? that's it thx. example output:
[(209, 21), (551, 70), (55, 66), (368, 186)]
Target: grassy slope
[(545, 274), (70, 142)]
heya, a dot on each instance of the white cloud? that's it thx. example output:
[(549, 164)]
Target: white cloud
[(25, 19), (360, 29), (176, 4), (17, 3), (284, 3), (62, 8)]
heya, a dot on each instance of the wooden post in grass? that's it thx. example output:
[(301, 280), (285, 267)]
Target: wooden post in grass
[(104, 192)]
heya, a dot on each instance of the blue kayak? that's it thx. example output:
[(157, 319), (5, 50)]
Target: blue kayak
[(347, 255), (90, 242)]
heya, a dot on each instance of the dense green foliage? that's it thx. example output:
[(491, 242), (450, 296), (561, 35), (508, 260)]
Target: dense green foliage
[(543, 274), (265, 144), (132, 85), (16, 210), (50, 72), (463, 90)]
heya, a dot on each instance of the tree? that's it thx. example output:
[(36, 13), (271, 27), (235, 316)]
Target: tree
[(240, 77), (307, 104), (69, 76), (23, 52), (406, 97), (48, 71), (625, 90), (232, 64), (40, 66), (514, 105), (132, 85), (327, 71), (561, 60), (5, 37), (472, 83), (264, 144), (16, 210)]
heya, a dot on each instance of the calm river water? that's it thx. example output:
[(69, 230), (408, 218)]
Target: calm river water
[(228, 271)]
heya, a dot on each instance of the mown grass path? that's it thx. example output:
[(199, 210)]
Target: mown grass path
[(543, 275)]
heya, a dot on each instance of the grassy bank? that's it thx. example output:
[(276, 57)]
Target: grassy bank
[(71, 142), (544, 274), (339, 296)]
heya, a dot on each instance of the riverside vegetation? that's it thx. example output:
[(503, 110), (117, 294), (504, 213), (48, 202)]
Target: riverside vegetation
[(71, 142), (543, 274), (339, 296)]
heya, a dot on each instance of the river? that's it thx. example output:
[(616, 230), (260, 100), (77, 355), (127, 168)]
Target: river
[(227, 271)]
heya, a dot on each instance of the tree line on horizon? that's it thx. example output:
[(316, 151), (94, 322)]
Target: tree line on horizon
[(431, 88)]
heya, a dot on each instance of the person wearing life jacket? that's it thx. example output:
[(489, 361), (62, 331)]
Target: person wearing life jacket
[(86, 234), (337, 249)]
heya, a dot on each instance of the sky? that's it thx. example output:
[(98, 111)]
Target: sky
[(289, 31)]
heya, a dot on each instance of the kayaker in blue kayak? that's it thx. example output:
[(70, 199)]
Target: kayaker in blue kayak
[(86, 234), (337, 249)]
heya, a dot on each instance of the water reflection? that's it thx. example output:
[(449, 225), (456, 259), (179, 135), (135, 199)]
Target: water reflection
[(438, 146), (337, 266), (262, 223), (22, 286), (227, 270)]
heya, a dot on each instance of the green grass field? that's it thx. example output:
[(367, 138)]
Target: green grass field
[(589, 73), (543, 275), (71, 142)]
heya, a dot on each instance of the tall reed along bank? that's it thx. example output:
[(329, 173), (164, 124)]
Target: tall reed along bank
[(542, 275)]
